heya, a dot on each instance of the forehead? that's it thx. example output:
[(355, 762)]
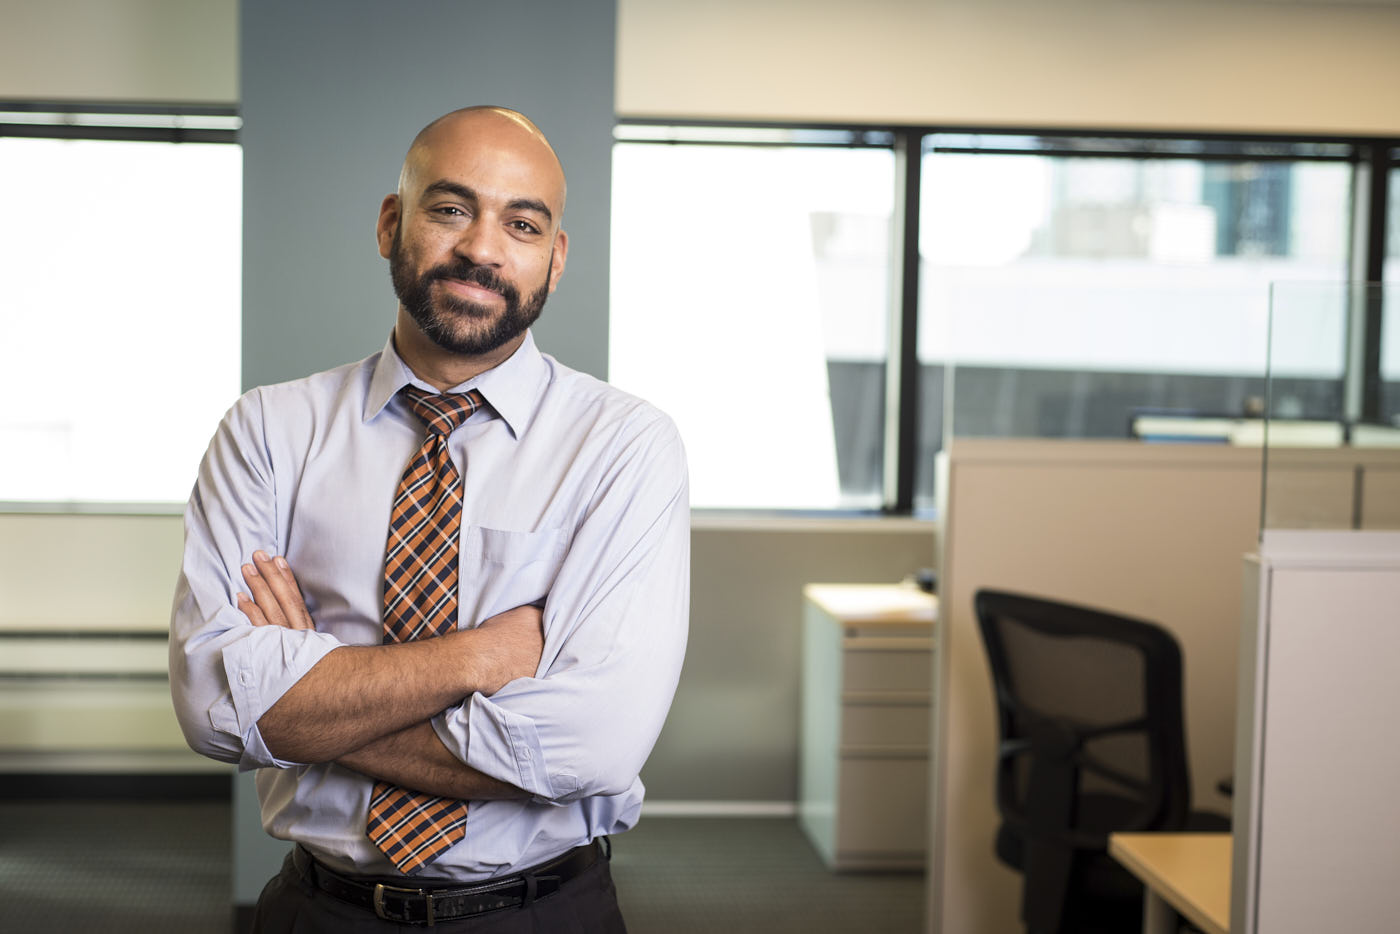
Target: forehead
[(494, 156)]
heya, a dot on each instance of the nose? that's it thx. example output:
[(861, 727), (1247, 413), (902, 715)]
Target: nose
[(480, 242)]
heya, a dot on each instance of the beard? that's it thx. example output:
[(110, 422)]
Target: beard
[(455, 324)]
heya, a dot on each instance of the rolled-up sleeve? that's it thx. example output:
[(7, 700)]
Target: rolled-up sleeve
[(615, 623), (225, 672)]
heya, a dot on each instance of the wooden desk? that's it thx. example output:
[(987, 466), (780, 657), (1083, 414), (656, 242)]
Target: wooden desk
[(1186, 873)]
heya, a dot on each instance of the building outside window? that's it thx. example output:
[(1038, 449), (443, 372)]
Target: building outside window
[(1073, 292), (1067, 287)]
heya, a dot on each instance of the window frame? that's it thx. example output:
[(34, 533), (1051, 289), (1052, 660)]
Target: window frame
[(1371, 157)]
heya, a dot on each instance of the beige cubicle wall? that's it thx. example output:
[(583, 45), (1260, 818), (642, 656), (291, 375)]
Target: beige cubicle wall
[(1153, 531), (1333, 488)]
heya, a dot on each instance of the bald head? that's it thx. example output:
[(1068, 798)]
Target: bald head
[(508, 132)]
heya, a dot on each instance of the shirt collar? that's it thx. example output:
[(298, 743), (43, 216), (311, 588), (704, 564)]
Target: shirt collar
[(512, 387)]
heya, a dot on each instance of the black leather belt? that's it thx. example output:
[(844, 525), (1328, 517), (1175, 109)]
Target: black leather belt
[(431, 902)]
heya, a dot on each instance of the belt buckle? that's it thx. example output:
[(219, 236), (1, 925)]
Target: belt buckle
[(380, 889)]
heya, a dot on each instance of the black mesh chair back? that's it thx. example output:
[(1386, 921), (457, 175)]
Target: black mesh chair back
[(1089, 708)]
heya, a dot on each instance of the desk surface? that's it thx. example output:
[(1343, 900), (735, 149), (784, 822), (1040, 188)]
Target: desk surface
[(1191, 871), (874, 603)]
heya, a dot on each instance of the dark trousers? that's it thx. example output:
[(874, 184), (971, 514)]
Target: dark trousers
[(587, 904)]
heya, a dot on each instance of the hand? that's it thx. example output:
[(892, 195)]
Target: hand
[(276, 599), (510, 644)]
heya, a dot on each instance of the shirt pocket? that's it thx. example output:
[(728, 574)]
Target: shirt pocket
[(500, 569)]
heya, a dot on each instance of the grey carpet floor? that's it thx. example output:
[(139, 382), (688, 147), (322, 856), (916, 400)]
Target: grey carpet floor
[(115, 867), (141, 868), (751, 876)]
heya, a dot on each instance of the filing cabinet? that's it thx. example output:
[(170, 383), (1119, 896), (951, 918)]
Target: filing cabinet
[(867, 671)]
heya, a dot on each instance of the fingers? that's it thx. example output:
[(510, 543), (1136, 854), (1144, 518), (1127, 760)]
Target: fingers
[(250, 610), (275, 594), (289, 593), (263, 598)]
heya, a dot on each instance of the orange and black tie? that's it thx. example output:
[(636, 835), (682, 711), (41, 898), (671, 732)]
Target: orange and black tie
[(420, 601)]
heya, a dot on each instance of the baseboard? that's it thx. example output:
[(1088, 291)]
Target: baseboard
[(719, 809), (124, 786)]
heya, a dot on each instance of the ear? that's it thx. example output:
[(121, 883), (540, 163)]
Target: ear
[(388, 224), (556, 260)]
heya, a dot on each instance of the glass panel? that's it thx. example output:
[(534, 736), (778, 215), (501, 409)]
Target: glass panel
[(1392, 236), (1356, 485), (1390, 334), (1076, 294), (749, 300), (119, 302)]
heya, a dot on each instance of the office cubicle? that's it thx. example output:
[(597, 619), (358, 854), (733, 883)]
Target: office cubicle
[(1128, 524)]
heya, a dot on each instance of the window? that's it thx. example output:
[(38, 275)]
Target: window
[(119, 301), (1078, 282), (1066, 284), (750, 294)]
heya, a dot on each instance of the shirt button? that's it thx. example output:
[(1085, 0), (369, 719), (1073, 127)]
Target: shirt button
[(245, 678)]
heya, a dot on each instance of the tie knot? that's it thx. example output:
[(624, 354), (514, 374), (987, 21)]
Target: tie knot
[(442, 413)]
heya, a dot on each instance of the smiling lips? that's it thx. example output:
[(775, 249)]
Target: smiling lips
[(469, 290)]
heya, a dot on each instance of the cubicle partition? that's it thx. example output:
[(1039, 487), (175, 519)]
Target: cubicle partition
[(1317, 832), (1154, 532)]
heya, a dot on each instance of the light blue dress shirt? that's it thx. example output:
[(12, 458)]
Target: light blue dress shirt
[(575, 497)]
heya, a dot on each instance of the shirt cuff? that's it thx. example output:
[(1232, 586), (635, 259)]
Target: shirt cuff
[(503, 745), (260, 669)]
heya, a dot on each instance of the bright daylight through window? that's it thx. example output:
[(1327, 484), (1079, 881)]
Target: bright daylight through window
[(750, 301), (1068, 286), (1075, 294), (119, 302)]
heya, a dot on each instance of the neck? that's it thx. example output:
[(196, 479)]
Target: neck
[(442, 369)]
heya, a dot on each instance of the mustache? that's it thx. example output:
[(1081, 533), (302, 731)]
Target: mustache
[(470, 272)]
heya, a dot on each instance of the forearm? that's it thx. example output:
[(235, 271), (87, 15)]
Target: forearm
[(357, 694), (416, 758)]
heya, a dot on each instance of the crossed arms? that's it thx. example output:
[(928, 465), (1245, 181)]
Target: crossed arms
[(368, 708), (606, 551)]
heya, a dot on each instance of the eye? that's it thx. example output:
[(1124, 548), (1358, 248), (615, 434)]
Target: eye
[(524, 226), (449, 210)]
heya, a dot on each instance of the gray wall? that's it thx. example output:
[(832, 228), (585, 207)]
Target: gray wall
[(732, 731), (332, 92)]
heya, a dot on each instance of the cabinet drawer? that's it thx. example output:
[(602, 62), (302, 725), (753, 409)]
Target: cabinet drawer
[(871, 666), (873, 724), (884, 806)]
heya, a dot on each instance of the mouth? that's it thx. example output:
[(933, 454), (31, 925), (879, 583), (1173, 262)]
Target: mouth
[(469, 291)]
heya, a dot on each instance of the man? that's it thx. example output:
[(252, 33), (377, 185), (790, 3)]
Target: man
[(449, 673)]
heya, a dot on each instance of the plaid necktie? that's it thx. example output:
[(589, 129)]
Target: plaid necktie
[(420, 601)]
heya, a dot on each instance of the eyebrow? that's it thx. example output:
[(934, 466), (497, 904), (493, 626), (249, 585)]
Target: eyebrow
[(443, 186)]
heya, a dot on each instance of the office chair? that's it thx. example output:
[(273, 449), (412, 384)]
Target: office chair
[(1089, 708)]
